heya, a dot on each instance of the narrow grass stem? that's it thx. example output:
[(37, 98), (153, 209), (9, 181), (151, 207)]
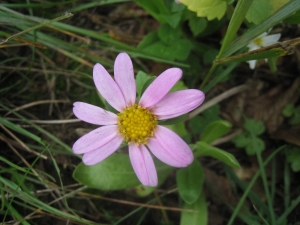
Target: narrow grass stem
[(265, 181), (210, 72), (249, 187), (287, 183)]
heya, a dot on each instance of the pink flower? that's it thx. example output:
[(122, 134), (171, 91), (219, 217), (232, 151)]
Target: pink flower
[(136, 123)]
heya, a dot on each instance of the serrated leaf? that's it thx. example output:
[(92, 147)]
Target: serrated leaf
[(204, 149), (189, 182), (259, 11), (207, 8), (215, 130), (199, 217)]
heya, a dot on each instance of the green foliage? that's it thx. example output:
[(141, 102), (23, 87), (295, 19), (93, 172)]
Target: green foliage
[(198, 123), (259, 11), (163, 11), (293, 113), (207, 8), (189, 181), (293, 19), (114, 173), (197, 25), (252, 144), (200, 214), (204, 149), (215, 130), (293, 157), (288, 110), (167, 42), (142, 81), (168, 35)]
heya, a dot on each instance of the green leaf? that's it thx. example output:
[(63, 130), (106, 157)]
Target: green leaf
[(293, 157), (207, 8), (148, 40), (259, 11), (242, 140), (113, 173), (199, 217), (277, 4), (236, 20), (295, 119), (197, 25), (147, 83), (182, 49), (172, 121), (20, 130), (155, 8), (173, 19), (293, 19), (190, 181), (160, 49), (204, 149), (141, 79), (168, 34), (198, 123), (256, 127), (178, 86), (255, 145), (215, 130), (288, 110)]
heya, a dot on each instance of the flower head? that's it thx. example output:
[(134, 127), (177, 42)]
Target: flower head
[(262, 40), (137, 121)]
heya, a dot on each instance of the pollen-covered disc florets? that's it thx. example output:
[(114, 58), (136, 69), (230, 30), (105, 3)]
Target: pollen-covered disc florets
[(136, 124), (258, 41)]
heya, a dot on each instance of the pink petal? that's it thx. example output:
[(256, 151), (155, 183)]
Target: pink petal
[(124, 77), (174, 145), (95, 139), (178, 103), (143, 165), (160, 87), (163, 154), (108, 88), (93, 114), (101, 153)]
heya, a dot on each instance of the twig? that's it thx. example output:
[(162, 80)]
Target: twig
[(217, 99)]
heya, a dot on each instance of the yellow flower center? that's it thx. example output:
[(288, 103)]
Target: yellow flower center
[(258, 41), (136, 124)]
